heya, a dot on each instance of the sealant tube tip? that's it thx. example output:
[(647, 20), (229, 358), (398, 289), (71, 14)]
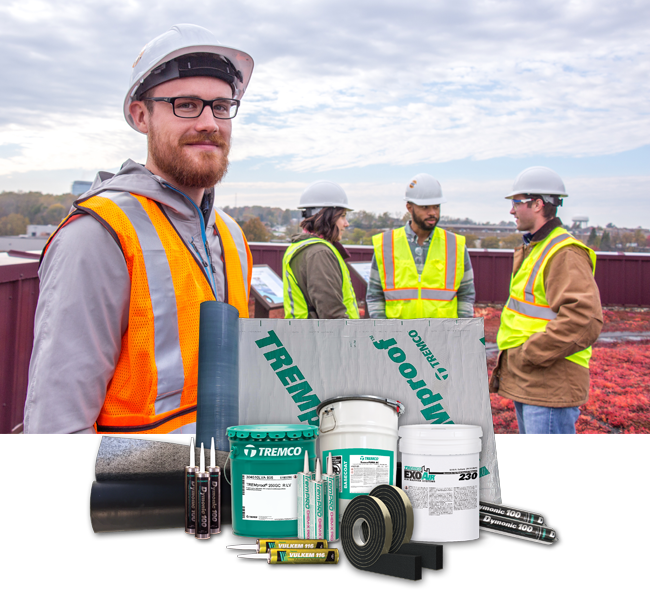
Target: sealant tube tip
[(202, 459), (258, 556), (330, 466), (319, 470), (306, 466), (192, 453), (243, 547), (212, 455)]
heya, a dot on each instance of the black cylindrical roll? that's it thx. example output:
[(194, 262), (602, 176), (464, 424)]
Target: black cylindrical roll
[(366, 531), (401, 513), (133, 505), (218, 381)]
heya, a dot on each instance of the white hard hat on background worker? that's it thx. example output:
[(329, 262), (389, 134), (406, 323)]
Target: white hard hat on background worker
[(158, 62), (540, 181), (323, 194), (424, 190)]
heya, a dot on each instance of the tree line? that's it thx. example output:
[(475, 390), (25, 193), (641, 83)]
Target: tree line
[(19, 209)]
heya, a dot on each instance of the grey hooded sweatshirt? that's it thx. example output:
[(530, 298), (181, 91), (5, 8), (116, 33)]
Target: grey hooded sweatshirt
[(83, 306)]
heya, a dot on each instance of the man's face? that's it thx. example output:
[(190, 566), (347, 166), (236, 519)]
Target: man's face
[(523, 212), (425, 217), (191, 152)]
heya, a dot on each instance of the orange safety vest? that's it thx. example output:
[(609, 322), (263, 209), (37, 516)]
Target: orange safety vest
[(154, 387)]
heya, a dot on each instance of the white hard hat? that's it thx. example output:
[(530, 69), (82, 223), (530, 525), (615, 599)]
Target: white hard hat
[(324, 194), (538, 180), (156, 63), (424, 190)]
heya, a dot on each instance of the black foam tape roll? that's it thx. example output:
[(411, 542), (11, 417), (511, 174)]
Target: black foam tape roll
[(401, 513), (366, 531), (217, 405), (145, 504)]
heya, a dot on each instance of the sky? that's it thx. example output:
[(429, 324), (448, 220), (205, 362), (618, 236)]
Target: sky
[(364, 93)]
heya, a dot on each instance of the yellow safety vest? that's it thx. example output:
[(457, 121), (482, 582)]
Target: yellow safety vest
[(527, 310), (154, 387), (429, 295), (295, 304)]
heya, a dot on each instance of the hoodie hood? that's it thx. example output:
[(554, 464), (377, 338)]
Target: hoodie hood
[(136, 179)]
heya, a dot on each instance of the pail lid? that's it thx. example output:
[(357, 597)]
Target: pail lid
[(272, 432), (395, 404), (440, 432)]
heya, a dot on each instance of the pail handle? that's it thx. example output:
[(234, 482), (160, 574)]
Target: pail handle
[(327, 412), (225, 476)]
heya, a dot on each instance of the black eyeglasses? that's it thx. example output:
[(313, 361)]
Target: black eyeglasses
[(189, 107)]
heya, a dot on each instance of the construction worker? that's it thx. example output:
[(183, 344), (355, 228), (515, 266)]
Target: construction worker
[(315, 278), (420, 270), (122, 278), (553, 314)]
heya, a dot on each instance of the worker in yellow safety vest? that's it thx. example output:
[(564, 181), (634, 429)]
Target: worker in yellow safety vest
[(122, 278), (553, 314), (421, 270), (315, 278)]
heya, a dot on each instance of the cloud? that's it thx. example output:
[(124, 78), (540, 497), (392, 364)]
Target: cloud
[(340, 84)]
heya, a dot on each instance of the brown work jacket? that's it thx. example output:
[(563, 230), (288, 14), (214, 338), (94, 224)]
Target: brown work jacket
[(319, 276), (537, 372)]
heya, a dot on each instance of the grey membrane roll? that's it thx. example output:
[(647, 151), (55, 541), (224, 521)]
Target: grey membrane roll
[(401, 513), (124, 458), (218, 380), (366, 531), (135, 505)]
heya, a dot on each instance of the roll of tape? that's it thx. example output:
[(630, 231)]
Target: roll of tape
[(401, 513), (366, 531)]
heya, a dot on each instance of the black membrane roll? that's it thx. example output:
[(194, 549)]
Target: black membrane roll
[(134, 505), (367, 517), (217, 405), (401, 513)]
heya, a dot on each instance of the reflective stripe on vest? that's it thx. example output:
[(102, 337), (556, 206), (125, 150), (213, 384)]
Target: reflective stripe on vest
[(404, 290), (527, 311), (295, 303), (154, 385)]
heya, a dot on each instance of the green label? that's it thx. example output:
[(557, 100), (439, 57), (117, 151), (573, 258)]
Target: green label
[(362, 469)]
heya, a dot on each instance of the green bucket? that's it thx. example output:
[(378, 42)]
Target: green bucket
[(264, 462)]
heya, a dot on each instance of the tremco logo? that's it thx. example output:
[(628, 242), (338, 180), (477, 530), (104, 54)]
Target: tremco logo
[(250, 450)]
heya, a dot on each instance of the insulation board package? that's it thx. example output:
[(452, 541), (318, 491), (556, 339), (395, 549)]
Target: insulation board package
[(435, 367)]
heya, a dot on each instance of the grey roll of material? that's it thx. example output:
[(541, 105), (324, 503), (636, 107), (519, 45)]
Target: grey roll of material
[(217, 405), (121, 459), (136, 505), (140, 485)]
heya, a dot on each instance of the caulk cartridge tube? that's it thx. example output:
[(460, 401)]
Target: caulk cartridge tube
[(215, 493), (317, 492), (202, 501), (190, 493), (326, 556), (524, 531), (268, 545), (499, 510), (331, 502), (304, 508)]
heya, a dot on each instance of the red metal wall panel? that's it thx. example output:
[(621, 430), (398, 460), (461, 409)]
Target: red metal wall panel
[(623, 280), (18, 296)]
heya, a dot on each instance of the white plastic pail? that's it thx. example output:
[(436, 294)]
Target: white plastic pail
[(440, 470), (361, 434)]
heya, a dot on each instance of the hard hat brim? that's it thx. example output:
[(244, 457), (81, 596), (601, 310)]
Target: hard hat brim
[(303, 206), (241, 60), (426, 201), (540, 192)]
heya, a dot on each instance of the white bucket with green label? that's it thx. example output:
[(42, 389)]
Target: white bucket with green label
[(361, 434), (440, 471)]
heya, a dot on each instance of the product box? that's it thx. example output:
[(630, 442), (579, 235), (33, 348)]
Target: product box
[(435, 367)]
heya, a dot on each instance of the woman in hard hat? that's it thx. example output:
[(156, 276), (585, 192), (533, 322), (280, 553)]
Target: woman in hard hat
[(316, 280)]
